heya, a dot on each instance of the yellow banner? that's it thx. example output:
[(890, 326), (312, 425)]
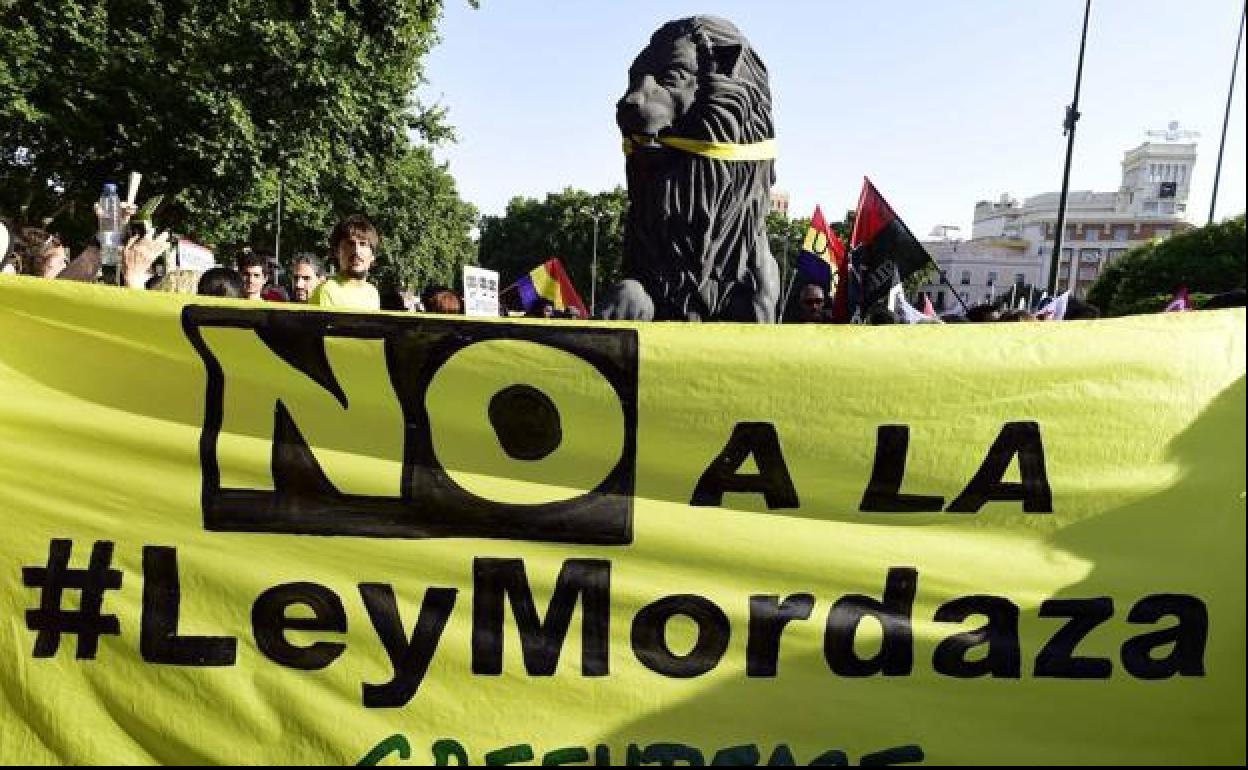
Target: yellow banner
[(244, 533)]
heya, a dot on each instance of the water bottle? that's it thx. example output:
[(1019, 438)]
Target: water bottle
[(110, 226)]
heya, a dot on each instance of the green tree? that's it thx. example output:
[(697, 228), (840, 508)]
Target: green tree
[(920, 278), (1101, 292), (1206, 259), (562, 225), (217, 101), (785, 237), (427, 227), (845, 228)]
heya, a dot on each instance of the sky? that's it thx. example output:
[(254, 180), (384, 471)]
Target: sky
[(941, 104)]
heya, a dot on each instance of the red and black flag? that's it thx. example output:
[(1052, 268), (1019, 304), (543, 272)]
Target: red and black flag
[(884, 250)]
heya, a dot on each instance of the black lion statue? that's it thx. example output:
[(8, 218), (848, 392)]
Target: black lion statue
[(699, 141)]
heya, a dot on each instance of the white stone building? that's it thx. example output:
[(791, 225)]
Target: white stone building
[(1012, 243), (779, 202)]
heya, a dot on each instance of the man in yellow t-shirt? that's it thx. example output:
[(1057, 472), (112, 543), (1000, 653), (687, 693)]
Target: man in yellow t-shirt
[(353, 243)]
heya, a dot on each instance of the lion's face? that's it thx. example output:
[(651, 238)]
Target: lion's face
[(698, 78), (662, 86)]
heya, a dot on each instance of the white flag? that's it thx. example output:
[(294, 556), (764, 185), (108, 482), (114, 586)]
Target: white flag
[(896, 298), (1055, 309), (908, 313)]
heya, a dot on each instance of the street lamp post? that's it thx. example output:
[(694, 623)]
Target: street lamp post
[(594, 214), (1217, 173), (277, 237), (1072, 117)]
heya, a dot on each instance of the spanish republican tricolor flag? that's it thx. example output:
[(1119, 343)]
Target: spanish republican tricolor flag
[(822, 261), (550, 281)]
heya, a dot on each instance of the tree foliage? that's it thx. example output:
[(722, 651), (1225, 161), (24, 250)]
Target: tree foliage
[(427, 227), (785, 236), (1206, 259), (1157, 303), (215, 102), (531, 231)]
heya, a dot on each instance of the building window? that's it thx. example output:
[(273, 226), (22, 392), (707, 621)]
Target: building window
[(940, 300), (1162, 233), (992, 277), (965, 296), (1089, 255), (1020, 278), (1150, 207), (1122, 233), (1114, 254), (1067, 254), (1167, 207), (1092, 234), (966, 278)]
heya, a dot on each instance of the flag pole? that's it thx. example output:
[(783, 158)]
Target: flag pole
[(945, 280), (1217, 174), (1072, 117), (277, 238)]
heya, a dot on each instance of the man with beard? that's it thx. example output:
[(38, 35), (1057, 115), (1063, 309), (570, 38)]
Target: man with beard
[(353, 243), (305, 275)]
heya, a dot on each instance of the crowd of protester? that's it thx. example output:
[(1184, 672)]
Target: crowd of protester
[(812, 307), (353, 246)]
